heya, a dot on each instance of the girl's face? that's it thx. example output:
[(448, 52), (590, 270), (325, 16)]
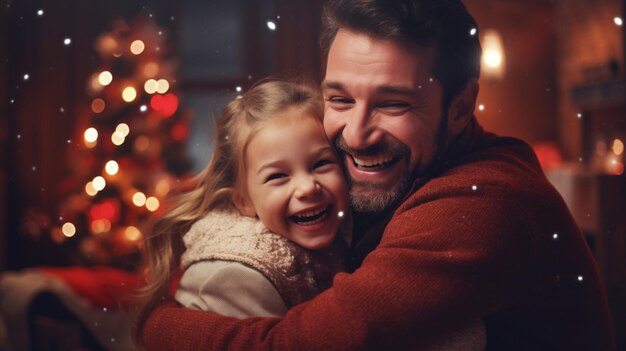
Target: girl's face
[(295, 184)]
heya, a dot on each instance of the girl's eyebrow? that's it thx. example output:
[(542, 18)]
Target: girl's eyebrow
[(280, 163)]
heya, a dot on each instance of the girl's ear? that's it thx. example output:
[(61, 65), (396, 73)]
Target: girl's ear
[(242, 204)]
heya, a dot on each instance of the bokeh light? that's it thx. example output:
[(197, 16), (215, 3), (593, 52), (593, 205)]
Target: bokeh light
[(137, 47), (69, 230), (105, 78)]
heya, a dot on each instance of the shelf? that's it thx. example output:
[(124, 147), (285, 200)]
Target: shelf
[(610, 93)]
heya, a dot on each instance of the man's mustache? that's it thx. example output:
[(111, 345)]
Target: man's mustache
[(372, 150)]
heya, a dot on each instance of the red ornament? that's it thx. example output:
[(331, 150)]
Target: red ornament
[(165, 104), (108, 209)]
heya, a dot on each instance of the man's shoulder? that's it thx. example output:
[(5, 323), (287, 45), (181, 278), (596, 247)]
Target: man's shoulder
[(502, 174)]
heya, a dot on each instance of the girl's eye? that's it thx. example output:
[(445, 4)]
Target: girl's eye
[(322, 163), (274, 176)]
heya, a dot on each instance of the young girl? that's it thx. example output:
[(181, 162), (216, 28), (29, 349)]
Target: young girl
[(260, 228)]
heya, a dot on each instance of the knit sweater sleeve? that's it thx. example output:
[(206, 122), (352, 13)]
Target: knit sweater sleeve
[(230, 289), (445, 260)]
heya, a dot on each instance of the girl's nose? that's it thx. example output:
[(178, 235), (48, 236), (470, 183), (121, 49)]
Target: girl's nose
[(307, 186)]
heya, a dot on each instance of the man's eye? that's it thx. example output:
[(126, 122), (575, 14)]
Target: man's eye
[(339, 100), (274, 176), (394, 105)]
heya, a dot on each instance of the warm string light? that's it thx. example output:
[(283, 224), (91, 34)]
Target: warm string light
[(123, 128), (618, 147), (132, 233), (129, 94), (91, 135), (90, 190), (139, 199), (99, 226), (152, 204), (137, 47), (111, 167), (153, 86), (68, 229), (105, 78), (99, 183), (117, 138)]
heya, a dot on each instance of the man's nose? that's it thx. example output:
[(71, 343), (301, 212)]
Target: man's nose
[(360, 129)]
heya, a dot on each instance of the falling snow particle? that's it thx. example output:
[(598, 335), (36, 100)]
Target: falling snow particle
[(143, 108), (618, 21), (474, 187), (26, 76), (271, 25), (579, 115), (67, 41), (40, 12), (431, 80), (104, 309), (160, 32), (62, 109), (555, 236), (112, 339), (238, 89), (580, 278), (12, 100), (19, 136), (481, 107), (580, 159), (34, 168), (473, 31), (172, 18), (69, 141)]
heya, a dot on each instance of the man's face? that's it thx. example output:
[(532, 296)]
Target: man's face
[(383, 111)]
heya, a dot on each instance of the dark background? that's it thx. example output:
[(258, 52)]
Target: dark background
[(563, 92)]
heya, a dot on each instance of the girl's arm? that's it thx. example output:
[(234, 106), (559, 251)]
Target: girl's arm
[(230, 289)]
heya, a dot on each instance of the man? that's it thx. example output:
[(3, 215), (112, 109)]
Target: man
[(452, 224)]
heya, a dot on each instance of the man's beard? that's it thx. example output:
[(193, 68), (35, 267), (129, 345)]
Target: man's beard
[(373, 198)]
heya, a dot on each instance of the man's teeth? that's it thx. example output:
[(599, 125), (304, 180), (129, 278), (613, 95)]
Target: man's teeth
[(374, 162)]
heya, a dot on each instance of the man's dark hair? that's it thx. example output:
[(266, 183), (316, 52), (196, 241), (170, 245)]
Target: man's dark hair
[(443, 24)]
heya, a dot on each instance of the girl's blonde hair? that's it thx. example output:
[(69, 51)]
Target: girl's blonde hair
[(223, 178)]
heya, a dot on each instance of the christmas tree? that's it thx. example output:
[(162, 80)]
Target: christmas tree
[(128, 149)]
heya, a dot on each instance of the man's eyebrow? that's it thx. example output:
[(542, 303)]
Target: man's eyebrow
[(384, 89), (332, 85), (393, 89)]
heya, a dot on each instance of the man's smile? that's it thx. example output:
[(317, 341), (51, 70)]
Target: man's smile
[(375, 163)]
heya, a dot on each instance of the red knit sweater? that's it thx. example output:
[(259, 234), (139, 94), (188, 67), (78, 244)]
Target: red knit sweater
[(483, 236)]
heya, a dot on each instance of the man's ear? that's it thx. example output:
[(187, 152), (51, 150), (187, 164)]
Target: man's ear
[(242, 204), (462, 106)]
